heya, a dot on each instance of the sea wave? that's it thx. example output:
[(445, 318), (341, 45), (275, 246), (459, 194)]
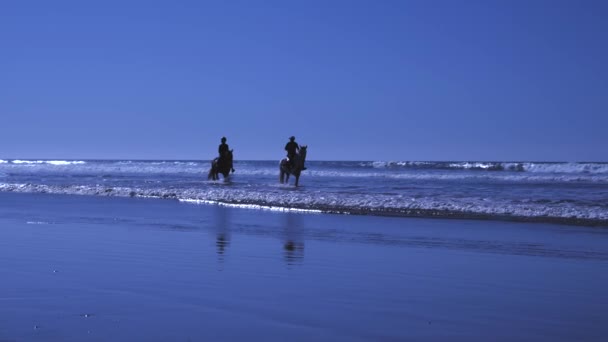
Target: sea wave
[(502, 177), (200, 171), (444, 176), (49, 162), (601, 168), (531, 167), (365, 204)]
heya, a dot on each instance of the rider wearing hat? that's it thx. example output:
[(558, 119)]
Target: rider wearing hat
[(223, 148)]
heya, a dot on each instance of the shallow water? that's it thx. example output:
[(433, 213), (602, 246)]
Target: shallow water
[(575, 193)]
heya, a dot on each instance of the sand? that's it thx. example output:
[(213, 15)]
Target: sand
[(79, 268)]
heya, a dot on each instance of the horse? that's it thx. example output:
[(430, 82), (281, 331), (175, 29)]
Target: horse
[(285, 168), (221, 165)]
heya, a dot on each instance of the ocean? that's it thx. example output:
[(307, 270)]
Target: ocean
[(571, 193)]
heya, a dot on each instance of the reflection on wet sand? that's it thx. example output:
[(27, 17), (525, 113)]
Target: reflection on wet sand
[(289, 230), (222, 241), (222, 231), (293, 245)]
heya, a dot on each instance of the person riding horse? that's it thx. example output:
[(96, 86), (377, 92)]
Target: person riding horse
[(292, 148), (223, 150), (223, 163), (286, 169)]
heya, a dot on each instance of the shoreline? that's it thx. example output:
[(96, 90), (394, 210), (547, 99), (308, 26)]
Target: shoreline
[(338, 210), (409, 213)]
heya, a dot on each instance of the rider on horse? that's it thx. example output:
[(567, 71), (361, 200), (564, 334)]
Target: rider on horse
[(223, 149), (292, 148)]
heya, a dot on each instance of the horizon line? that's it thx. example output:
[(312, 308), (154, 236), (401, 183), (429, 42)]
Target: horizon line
[(312, 160)]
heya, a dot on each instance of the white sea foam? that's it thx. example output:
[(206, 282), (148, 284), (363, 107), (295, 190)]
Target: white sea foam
[(475, 166), (3, 161), (27, 162), (252, 206), (497, 166), (385, 164), (65, 162), (344, 203), (446, 176), (567, 167), (50, 162)]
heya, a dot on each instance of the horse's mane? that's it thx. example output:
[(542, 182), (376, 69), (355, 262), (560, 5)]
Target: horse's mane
[(300, 157)]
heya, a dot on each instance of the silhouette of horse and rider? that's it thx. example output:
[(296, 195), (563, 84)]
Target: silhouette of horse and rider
[(292, 165), (223, 163)]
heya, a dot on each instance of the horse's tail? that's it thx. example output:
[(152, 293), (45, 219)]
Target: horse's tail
[(283, 164), (283, 170), (212, 169)]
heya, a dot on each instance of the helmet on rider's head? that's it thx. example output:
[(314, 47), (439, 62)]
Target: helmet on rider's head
[(223, 138), (292, 138)]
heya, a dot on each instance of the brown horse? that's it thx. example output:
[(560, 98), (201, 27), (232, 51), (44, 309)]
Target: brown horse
[(285, 168), (221, 165)]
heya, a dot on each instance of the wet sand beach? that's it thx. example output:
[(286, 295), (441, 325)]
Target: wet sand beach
[(81, 268)]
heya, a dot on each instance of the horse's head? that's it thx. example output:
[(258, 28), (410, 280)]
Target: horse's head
[(301, 157)]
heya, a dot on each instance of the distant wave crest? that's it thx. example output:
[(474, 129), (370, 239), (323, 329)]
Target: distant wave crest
[(345, 167), (496, 166), (406, 170), (50, 162)]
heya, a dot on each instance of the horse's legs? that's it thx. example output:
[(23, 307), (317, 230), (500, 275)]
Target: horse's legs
[(297, 179)]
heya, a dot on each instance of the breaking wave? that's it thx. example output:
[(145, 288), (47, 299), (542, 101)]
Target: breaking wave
[(600, 168), (49, 162), (569, 212), (440, 171), (574, 193)]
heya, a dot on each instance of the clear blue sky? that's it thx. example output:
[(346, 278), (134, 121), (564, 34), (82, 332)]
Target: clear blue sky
[(355, 80)]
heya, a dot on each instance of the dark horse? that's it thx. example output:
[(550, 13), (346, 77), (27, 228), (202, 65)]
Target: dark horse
[(221, 165), (298, 164)]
